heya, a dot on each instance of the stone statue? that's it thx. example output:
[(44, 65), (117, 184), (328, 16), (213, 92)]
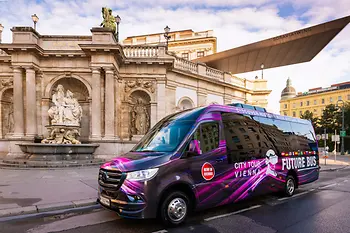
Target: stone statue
[(108, 19), (67, 110), (66, 116), (72, 110), (10, 121), (56, 112), (140, 118)]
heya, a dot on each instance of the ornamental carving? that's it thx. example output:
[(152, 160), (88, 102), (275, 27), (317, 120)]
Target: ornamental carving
[(6, 83), (139, 83)]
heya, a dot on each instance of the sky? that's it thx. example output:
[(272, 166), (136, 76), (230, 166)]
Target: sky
[(235, 23)]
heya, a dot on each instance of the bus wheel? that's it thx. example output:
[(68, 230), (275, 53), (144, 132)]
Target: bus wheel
[(290, 186), (174, 208)]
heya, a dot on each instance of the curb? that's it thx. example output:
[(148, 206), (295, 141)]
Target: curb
[(44, 208), (333, 169)]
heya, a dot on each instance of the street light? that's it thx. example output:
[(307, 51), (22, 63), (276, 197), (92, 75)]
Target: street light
[(166, 35), (262, 71), (117, 20), (1, 28), (342, 127), (35, 19)]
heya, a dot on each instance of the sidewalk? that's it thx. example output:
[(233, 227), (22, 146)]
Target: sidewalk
[(35, 191)]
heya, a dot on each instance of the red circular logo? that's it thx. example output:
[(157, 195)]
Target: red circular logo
[(208, 171)]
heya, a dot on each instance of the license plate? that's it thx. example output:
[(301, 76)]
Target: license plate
[(104, 201)]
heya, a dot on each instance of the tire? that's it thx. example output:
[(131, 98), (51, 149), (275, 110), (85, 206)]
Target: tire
[(174, 209), (290, 186)]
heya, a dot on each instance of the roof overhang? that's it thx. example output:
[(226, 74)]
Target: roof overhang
[(291, 48)]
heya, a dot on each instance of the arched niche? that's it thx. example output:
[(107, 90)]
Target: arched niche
[(185, 103), (81, 93), (7, 121), (140, 112)]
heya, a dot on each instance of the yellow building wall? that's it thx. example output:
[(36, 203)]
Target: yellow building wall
[(313, 102)]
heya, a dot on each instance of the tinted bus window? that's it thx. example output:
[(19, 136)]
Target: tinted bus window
[(305, 136), (245, 138), (207, 135)]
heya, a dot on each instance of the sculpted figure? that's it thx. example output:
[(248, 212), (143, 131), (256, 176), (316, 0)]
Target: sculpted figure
[(56, 111), (141, 117), (108, 19), (72, 110)]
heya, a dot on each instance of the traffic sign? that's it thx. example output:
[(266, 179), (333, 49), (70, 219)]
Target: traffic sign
[(342, 133), (335, 138), (324, 137)]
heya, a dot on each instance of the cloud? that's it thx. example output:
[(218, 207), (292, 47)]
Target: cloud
[(235, 23)]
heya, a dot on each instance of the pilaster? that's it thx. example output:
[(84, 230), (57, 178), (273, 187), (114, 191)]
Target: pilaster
[(109, 104), (96, 104), (31, 121), (18, 103)]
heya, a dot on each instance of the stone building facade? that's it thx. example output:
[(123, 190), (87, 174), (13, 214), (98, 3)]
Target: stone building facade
[(186, 44), (123, 90)]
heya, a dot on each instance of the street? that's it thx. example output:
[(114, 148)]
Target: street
[(322, 206)]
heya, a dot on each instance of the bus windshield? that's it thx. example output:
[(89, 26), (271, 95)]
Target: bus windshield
[(164, 137)]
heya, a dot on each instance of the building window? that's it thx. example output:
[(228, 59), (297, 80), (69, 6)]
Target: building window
[(339, 98), (331, 99), (294, 105), (300, 113), (185, 56), (285, 113), (285, 106), (301, 104), (322, 101), (200, 54), (293, 114), (315, 102), (307, 103)]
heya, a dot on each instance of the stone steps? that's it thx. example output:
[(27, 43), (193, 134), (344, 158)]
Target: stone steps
[(22, 163)]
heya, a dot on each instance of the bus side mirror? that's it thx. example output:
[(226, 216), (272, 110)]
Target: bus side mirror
[(193, 149)]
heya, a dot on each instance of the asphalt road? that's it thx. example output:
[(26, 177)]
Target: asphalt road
[(323, 206)]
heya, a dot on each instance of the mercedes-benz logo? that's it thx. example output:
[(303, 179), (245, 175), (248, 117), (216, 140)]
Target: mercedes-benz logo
[(104, 176)]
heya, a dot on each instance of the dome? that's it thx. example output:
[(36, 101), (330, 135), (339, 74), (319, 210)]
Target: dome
[(288, 91)]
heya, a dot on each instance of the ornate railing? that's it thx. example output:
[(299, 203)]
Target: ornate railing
[(184, 64), (237, 81), (140, 51), (217, 74)]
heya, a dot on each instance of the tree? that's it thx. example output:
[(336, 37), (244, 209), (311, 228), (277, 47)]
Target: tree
[(330, 119), (310, 116)]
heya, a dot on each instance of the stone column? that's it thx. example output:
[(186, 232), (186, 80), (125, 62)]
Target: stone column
[(31, 121), (161, 98), (109, 104), (96, 104), (18, 103)]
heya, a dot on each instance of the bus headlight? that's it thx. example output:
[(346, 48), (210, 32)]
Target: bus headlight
[(142, 174)]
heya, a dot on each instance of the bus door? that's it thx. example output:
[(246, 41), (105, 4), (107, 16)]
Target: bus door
[(209, 167)]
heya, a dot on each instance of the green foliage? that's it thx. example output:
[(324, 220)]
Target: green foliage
[(331, 119), (310, 116)]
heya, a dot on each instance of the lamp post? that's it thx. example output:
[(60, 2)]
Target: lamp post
[(166, 36), (342, 127), (117, 20), (262, 71), (1, 28), (35, 19)]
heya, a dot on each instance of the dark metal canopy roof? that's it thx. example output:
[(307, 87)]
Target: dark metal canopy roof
[(291, 48)]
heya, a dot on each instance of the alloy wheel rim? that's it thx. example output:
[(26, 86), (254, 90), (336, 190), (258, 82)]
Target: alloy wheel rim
[(290, 186), (177, 209)]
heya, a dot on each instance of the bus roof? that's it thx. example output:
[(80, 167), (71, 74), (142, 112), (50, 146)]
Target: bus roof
[(246, 111)]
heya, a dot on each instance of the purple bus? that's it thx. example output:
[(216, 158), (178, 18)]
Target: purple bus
[(206, 157)]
